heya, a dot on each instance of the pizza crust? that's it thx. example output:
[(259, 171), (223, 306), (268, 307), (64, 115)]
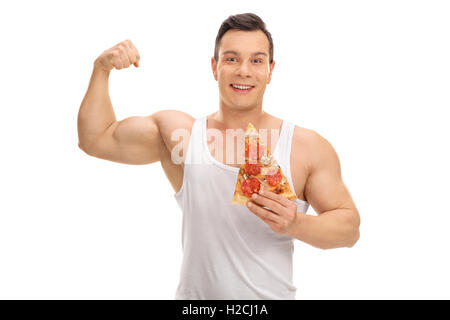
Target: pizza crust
[(239, 197)]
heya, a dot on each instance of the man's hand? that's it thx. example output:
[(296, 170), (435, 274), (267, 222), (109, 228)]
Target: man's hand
[(282, 215), (122, 55)]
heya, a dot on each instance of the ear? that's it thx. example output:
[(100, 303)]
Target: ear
[(214, 67), (270, 71)]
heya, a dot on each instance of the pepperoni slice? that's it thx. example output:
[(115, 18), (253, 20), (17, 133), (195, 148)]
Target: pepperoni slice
[(253, 169), (274, 179), (250, 186)]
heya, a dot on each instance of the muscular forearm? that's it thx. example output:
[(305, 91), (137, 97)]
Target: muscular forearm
[(331, 229), (96, 112)]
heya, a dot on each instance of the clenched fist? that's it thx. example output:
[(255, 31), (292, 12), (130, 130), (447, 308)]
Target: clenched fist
[(122, 55)]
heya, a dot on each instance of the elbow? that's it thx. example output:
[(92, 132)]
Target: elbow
[(354, 239), (356, 221), (347, 241), (83, 147)]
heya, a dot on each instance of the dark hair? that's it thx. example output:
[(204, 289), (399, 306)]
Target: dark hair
[(246, 22)]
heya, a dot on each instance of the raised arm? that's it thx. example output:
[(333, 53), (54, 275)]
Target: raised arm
[(96, 114), (134, 140)]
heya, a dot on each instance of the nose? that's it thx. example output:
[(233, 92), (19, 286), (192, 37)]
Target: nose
[(243, 70)]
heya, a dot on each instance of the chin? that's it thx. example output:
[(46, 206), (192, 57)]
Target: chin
[(242, 107), (237, 104)]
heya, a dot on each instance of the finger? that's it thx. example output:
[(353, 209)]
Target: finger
[(136, 59), (275, 197), (118, 63), (269, 203), (122, 49), (124, 57), (138, 56), (264, 214), (113, 58), (131, 55), (135, 53)]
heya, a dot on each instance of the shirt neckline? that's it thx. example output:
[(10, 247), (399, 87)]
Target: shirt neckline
[(225, 166)]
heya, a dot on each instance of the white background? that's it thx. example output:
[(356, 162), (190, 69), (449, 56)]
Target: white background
[(372, 77)]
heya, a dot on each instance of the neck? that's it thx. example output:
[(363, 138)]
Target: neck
[(235, 119)]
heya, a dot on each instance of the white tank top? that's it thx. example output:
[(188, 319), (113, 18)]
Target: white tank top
[(228, 252)]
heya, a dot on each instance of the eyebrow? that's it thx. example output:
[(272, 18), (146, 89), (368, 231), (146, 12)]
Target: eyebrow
[(238, 54)]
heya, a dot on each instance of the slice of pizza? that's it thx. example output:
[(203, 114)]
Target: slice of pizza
[(260, 171)]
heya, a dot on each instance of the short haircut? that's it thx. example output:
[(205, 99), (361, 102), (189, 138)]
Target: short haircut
[(245, 22)]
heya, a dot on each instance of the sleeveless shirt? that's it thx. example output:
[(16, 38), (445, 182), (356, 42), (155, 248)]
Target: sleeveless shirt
[(228, 252)]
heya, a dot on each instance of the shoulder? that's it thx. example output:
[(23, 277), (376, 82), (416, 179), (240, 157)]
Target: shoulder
[(173, 119), (316, 149), (173, 124), (170, 120)]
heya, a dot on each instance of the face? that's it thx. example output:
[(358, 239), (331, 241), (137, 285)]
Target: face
[(243, 60)]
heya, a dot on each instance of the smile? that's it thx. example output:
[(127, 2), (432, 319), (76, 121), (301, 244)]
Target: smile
[(241, 88)]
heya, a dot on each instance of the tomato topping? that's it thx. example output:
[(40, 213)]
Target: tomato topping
[(274, 179), (254, 151), (250, 186), (253, 169)]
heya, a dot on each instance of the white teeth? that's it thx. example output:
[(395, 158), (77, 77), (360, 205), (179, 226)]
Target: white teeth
[(241, 87)]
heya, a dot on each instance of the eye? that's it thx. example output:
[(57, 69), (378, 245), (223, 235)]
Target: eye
[(259, 60), (230, 58)]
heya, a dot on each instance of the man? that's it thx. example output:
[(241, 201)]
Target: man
[(230, 251)]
